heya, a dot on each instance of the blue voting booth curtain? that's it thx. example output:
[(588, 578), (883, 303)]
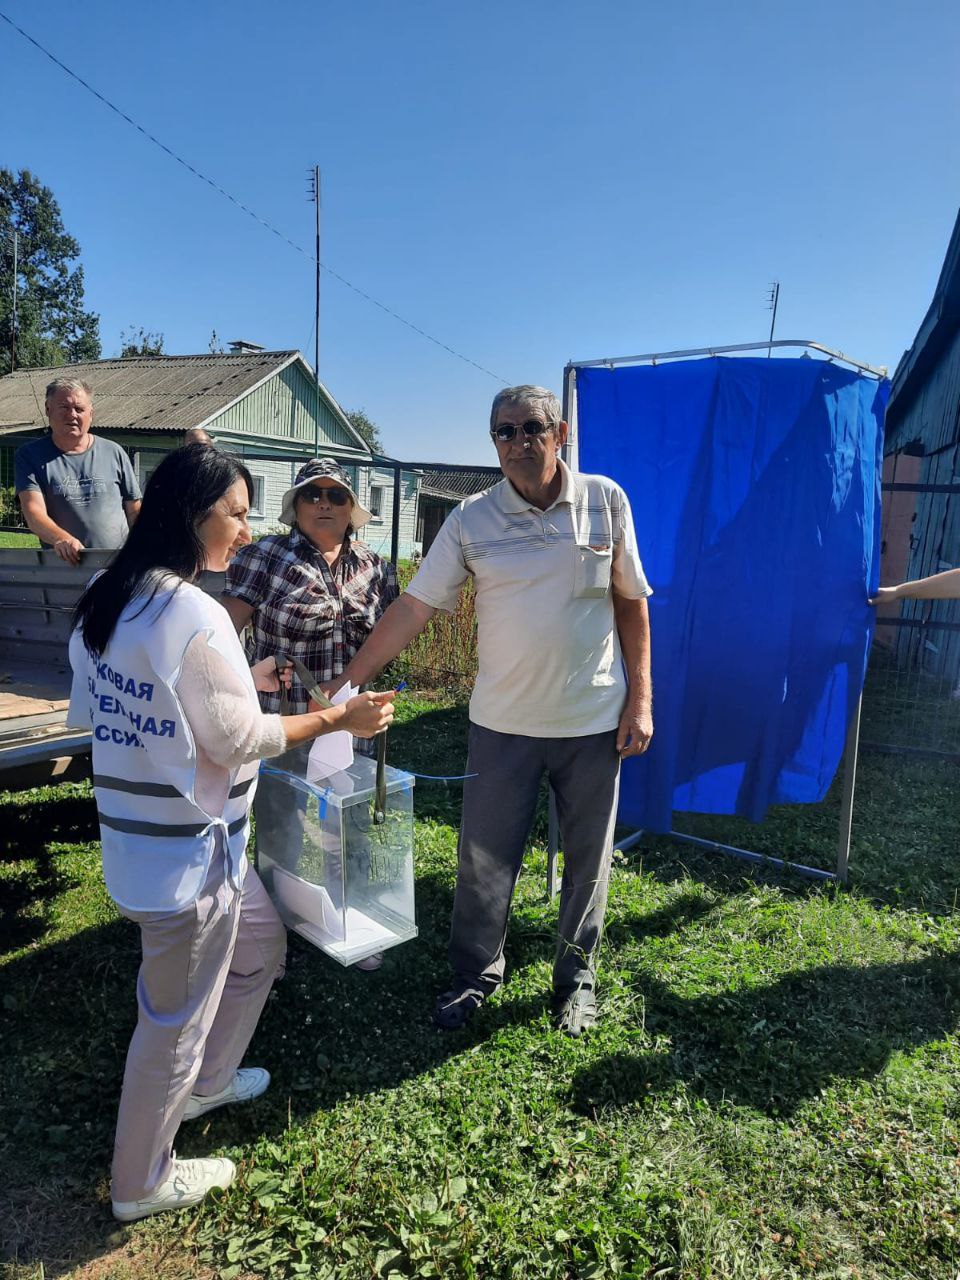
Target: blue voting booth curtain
[(755, 488)]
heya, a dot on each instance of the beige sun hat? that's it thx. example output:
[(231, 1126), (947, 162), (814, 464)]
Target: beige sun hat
[(317, 469)]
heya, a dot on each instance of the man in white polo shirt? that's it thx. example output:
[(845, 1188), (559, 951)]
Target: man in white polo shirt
[(563, 687)]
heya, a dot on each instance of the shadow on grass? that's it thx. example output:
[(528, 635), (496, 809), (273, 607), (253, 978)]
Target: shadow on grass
[(773, 1047), (27, 833), (684, 910), (67, 1013), (27, 829), (327, 1034), (330, 1034), (906, 832)]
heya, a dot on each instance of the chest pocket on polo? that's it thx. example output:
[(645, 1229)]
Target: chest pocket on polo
[(592, 568)]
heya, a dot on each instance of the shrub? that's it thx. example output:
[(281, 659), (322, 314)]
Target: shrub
[(446, 649), (11, 517)]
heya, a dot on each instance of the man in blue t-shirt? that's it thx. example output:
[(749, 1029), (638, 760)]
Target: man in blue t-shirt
[(76, 490)]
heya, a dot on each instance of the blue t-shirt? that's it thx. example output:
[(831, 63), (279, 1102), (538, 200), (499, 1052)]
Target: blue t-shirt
[(84, 492)]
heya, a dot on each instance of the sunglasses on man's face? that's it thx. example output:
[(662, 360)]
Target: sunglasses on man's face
[(531, 429), (336, 497)]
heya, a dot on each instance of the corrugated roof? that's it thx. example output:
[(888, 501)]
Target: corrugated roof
[(447, 480), (939, 325), (145, 393)]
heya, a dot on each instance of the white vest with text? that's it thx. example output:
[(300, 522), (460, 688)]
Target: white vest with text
[(157, 841)]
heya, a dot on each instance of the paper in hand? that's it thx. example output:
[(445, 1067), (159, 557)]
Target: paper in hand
[(332, 751)]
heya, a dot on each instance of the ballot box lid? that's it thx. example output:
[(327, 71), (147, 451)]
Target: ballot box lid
[(359, 782)]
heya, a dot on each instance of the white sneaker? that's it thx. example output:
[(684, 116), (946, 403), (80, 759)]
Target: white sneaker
[(248, 1083), (188, 1182)]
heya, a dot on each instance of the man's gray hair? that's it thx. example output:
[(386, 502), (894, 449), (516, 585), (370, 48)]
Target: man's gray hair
[(197, 435), (539, 396), (68, 384)]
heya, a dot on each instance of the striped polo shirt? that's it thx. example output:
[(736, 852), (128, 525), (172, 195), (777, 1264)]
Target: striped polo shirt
[(549, 655)]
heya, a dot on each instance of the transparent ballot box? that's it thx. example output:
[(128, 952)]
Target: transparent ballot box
[(338, 877)]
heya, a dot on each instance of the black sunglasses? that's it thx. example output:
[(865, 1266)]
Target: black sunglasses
[(531, 429), (336, 497)]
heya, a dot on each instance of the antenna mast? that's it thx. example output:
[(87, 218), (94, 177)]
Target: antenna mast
[(313, 192), (772, 299), (13, 325)]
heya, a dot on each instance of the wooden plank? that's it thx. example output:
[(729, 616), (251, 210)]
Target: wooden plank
[(27, 634), (21, 704), (32, 596), (61, 761), (44, 556), (32, 728), (38, 592), (68, 577)]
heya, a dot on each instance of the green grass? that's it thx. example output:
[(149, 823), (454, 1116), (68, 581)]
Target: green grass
[(771, 1092), (18, 540)]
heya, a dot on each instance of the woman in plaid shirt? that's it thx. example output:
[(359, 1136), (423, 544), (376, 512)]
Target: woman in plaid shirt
[(313, 593)]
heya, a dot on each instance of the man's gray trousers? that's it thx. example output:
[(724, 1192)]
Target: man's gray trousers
[(498, 811)]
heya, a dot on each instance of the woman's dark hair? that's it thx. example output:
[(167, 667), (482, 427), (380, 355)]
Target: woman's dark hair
[(163, 540)]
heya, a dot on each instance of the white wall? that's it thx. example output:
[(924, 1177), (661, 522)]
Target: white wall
[(377, 534), (277, 476)]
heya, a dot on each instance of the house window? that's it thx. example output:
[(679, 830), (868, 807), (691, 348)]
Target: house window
[(376, 501), (256, 506)]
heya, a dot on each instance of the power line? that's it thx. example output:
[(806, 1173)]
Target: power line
[(244, 208)]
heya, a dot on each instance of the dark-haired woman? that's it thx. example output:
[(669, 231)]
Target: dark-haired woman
[(177, 736)]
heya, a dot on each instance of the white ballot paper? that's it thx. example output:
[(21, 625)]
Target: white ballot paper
[(310, 910), (332, 752), (310, 903)]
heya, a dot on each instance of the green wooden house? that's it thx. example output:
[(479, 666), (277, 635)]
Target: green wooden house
[(265, 406)]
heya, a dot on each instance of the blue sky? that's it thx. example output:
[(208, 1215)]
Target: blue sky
[(530, 182)]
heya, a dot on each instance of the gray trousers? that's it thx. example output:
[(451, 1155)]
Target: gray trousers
[(206, 973), (498, 810)]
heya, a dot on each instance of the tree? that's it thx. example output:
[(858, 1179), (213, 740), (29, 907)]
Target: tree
[(367, 429), (140, 342), (52, 325)]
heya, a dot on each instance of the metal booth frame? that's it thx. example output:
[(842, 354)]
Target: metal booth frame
[(851, 745)]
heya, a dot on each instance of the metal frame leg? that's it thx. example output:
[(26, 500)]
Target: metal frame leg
[(553, 846), (850, 754), (844, 826)]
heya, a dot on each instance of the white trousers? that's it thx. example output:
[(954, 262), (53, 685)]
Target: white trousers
[(206, 973)]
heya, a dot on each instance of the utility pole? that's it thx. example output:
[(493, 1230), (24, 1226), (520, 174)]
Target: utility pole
[(314, 195), (13, 326), (772, 299)]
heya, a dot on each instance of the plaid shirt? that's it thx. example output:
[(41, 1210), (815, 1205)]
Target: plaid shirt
[(301, 605)]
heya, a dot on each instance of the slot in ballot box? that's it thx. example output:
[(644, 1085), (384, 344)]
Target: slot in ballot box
[(336, 876)]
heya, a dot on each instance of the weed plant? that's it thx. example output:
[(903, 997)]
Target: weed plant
[(444, 655)]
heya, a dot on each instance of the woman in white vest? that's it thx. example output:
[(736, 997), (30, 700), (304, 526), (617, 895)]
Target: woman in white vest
[(160, 675)]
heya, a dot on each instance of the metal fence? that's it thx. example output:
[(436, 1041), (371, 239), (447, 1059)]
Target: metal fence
[(911, 698)]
